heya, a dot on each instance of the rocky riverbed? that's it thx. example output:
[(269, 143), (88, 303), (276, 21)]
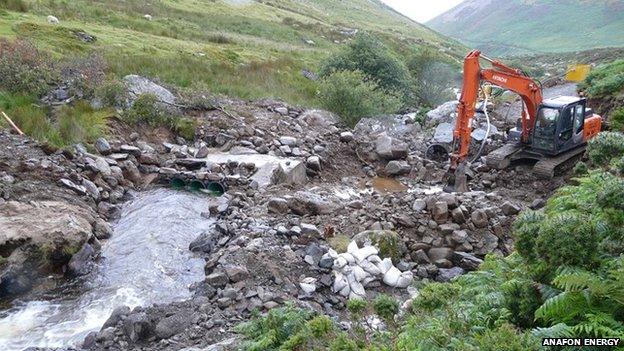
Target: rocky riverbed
[(309, 208)]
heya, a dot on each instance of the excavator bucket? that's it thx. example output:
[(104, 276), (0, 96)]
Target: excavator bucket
[(577, 73), (456, 180)]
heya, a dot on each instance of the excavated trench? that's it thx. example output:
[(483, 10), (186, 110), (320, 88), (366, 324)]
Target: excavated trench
[(146, 261)]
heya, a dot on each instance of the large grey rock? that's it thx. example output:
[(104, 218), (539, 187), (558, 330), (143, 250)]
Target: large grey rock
[(137, 326), (443, 133), (510, 209), (445, 113), (389, 148), (306, 203), (277, 205), (440, 212), (81, 262), (102, 146), (116, 316), (396, 168), (172, 325), (138, 85), (204, 243), (446, 275), (236, 273), (479, 218), (319, 118), (466, 261)]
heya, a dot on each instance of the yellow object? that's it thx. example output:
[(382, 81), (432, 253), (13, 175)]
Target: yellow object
[(577, 73)]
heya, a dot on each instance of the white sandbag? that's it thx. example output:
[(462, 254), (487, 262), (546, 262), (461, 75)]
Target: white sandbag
[(405, 279), (352, 248), (340, 262), (370, 268), (340, 282), (347, 256), (391, 277), (359, 273), (365, 252), (385, 265)]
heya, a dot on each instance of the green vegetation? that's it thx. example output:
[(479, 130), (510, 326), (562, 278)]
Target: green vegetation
[(566, 279), (368, 78), (352, 97), (605, 147), (617, 120), (605, 81), (510, 27)]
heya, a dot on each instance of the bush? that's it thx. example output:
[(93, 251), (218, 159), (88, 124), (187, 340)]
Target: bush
[(386, 307), (505, 338), (606, 80), (349, 95), (370, 56), (580, 168), (25, 69), (14, 5), (434, 76), (617, 120), (605, 147), (84, 75), (112, 93), (29, 117)]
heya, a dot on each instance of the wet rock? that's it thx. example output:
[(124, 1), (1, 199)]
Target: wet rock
[(81, 262), (172, 325), (419, 205), (446, 275), (118, 314), (137, 326), (288, 141), (204, 243), (91, 189), (308, 285), (458, 215), (510, 209), (396, 168)]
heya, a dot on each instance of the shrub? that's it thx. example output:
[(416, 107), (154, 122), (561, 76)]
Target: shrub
[(580, 168), (522, 299), (605, 147), (146, 108), (434, 76), (84, 74), (370, 56), (505, 338), (349, 95), (112, 93), (23, 68), (436, 295), (617, 120), (618, 165), (567, 240), (606, 80), (14, 5), (386, 307), (357, 306), (29, 117)]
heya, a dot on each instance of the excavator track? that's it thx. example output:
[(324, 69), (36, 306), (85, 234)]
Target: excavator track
[(501, 158), (547, 167)]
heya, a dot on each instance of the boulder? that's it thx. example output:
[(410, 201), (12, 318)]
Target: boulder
[(389, 148), (236, 273), (479, 218), (396, 168), (277, 205), (81, 262), (102, 146), (138, 85), (466, 261), (306, 203), (445, 113), (137, 326), (439, 253), (172, 325), (448, 274), (443, 133), (204, 243), (509, 209)]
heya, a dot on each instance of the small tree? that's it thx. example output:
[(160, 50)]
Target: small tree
[(352, 97)]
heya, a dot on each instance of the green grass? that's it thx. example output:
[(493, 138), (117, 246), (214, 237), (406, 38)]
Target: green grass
[(249, 51)]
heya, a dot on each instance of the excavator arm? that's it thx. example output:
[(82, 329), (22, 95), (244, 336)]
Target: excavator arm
[(503, 76)]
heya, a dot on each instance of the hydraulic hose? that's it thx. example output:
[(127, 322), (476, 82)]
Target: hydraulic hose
[(487, 132)]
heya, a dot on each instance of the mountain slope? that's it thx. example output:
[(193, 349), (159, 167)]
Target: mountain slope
[(244, 48), (532, 26)]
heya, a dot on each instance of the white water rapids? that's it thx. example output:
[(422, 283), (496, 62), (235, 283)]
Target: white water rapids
[(146, 261)]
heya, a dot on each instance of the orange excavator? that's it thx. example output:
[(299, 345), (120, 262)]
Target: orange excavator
[(550, 132)]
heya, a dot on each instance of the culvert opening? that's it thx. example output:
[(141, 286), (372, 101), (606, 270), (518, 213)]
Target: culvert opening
[(215, 189), (177, 184)]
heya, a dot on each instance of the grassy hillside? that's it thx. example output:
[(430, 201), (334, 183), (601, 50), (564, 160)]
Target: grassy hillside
[(503, 27), (244, 48)]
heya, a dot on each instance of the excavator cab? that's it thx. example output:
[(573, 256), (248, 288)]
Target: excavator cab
[(559, 125)]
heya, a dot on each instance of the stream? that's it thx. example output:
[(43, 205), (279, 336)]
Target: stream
[(146, 261)]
